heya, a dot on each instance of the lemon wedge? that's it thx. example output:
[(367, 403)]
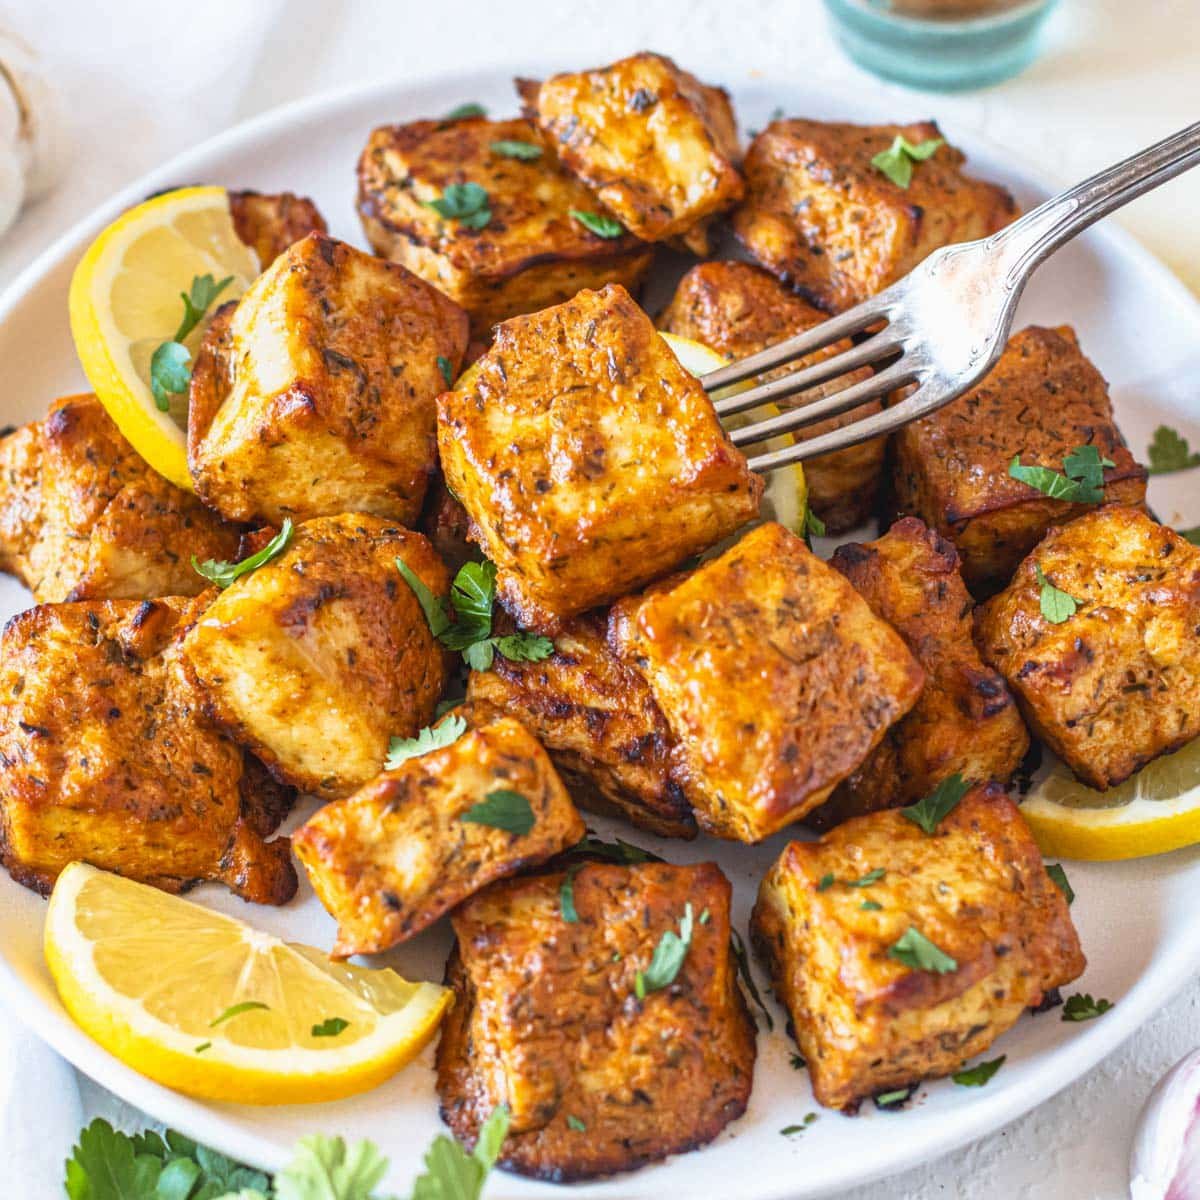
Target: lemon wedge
[(1154, 811), (125, 302), (209, 1006)]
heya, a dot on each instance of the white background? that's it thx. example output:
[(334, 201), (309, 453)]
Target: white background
[(143, 79)]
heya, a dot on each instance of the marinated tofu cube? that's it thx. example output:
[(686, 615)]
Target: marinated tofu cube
[(528, 252), (318, 657), (823, 218), (590, 462), (270, 223), (1112, 680), (107, 758), (909, 976), (658, 147), (738, 309), (774, 675), (601, 1073), (1041, 401), (315, 395)]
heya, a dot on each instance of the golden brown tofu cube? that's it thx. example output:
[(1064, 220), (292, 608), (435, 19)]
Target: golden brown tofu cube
[(1117, 683), (84, 517), (600, 723), (1040, 401), (589, 460), (776, 678), (270, 223), (657, 146), (966, 721), (316, 396), (107, 759), (738, 309), (548, 1020), (408, 847), (530, 254), (820, 216), (869, 1021), (317, 658)]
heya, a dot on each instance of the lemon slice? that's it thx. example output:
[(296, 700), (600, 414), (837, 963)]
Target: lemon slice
[(125, 302), (1156, 810), (209, 1006)]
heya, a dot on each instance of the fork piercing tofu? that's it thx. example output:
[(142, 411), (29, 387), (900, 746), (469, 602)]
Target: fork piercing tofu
[(588, 459), (516, 247), (314, 394), (1110, 678), (966, 721), (831, 224), (910, 976), (107, 758), (738, 309), (600, 1073), (418, 839), (658, 147), (321, 655), (1041, 401), (775, 676)]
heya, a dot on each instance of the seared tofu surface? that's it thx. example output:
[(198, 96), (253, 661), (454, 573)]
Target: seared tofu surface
[(868, 1021), (406, 848), (531, 254), (598, 719), (84, 517), (738, 309), (774, 675), (548, 1020), (658, 147), (317, 658), (820, 216), (107, 758), (1117, 682), (590, 461), (966, 721), (1041, 400), (315, 395), (269, 223)]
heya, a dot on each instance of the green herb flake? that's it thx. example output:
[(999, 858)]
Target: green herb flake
[(1190, 535), (667, 958), (620, 851), (1056, 605), (1082, 483), (573, 1122), (788, 1130), (929, 812), (450, 1172), (235, 1010), (224, 573), (471, 109), (1081, 1007), (330, 1027), (502, 809), (443, 364), (915, 950), (200, 1049), (1059, 876), (871, 877), (871, 906), (1169, 451), (798, 1061), (433, 607), (566, 895), (170, 370), (466, 203), (979, 1074), (891, 1101), (705, 917), (598, 223), (825, 882), (813, 525), (896, 162), (511, 148), (436, 737)]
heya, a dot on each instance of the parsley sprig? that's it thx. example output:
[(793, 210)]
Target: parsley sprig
[(170, 364), (1056, 605), (1059, 878), (1082, 1007), (466, 203), (224, 573), (1169, 451), (667, 958), (979, 1074), (444, 733), (896, 162), (1080, 482), (598, 223), (915, 950), (929, 812), (502, 809)]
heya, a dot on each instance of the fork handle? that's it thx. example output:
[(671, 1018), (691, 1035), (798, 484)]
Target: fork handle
[(1036, 235)]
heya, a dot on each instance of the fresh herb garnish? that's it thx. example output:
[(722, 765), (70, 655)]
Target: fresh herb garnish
[(896, 162), (979, 1074), (224, 573), (891, 1101), (825, 882), (435, 737), (705, 917), (1081, 1007), (200, 1049), (1190, 535), (450, 1172), (934, 808), (573, 1122), (1083, 482), (235, 1010), (330, 1027), (447, 371), (566, 895), (471, 109), (798, 1061), (513, 148), (619, 852), (466, 203), (502, 809), (868, 879), (598, 223), (871, 906), (667, 958), (813, 525), (809, 1118), (915, 950), (169, 369), (1059, 876), (1056, 605), (1169, 451), (742, 959)]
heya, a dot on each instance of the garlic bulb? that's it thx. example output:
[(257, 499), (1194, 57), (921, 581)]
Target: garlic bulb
[(1165, 1163)]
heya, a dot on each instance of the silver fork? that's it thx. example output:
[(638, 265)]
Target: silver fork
[(947, 320)]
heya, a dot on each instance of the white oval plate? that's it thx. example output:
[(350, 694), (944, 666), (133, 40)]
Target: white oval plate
[(1136, 919)]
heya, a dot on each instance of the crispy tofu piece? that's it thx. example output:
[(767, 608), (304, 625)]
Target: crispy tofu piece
[(547, 1020), (1117, 683), (657, 146), (1041, 400), (966, 721), (822, 218), (600, 723), (315, 659), (399, 853), (270, 223), (866, 1022), (774, 675), (738, 309), (315, 394), (107, 759), (589, 460), (530, 255), (84, 517)]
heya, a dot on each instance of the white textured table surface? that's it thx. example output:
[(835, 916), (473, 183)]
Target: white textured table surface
[(142, 85)]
